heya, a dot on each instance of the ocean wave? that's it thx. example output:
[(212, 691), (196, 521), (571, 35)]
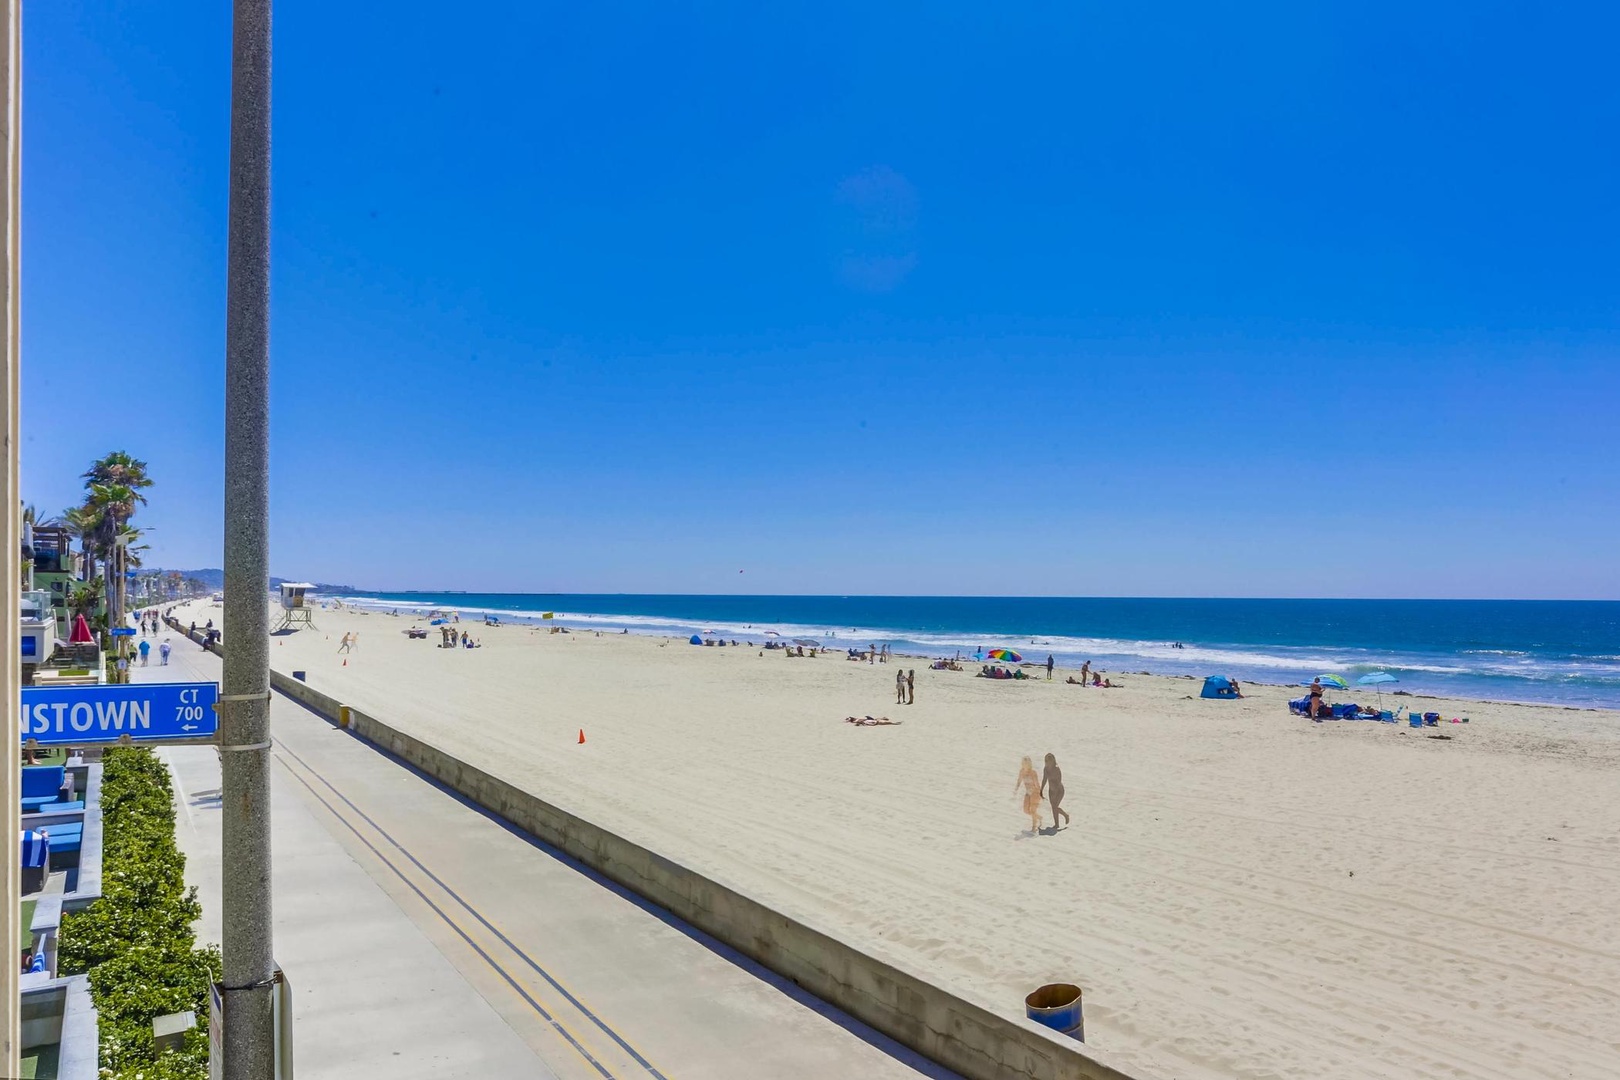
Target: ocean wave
[(1513, 674)]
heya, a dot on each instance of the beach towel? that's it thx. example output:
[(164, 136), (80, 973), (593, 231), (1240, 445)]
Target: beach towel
[(36, 848)]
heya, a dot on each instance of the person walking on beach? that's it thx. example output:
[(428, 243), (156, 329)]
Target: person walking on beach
[(343, 645), (911, 686), (1052, 788), (163, 651), (900, 688), (1031, 786), (1049, 663)]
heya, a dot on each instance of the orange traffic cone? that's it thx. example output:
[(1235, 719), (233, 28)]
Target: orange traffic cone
[(582, 736), (345, 661)]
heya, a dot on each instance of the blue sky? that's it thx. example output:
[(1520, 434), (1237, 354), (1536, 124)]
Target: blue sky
[(1080, 299)]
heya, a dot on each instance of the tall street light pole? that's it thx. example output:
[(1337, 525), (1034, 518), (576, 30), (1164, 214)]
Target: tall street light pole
[(245, 698)]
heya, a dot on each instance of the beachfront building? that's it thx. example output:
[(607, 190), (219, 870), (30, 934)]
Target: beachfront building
[(54, 569), (38, 636)]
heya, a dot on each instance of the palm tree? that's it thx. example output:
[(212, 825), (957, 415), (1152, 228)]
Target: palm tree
[(80, 522), (114, 484), (85, 599), (127, 557), (132, 559), (118, 468)]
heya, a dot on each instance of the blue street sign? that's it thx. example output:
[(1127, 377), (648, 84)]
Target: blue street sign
[(123, 631), (82, 715)]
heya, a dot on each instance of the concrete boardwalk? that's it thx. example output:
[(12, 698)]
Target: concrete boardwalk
[(426, 938)]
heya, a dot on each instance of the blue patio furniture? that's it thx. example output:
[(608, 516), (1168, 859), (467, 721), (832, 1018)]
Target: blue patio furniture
[(58, 807), (65, 838), (36, 860), (41, 784), (36, 850)]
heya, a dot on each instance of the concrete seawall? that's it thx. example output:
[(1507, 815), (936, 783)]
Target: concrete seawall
[(941, 1025)]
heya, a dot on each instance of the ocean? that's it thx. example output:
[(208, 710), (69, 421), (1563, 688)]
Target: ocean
[(1544, 651)]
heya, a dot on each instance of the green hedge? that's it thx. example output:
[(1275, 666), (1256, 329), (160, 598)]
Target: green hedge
[(136, 942)]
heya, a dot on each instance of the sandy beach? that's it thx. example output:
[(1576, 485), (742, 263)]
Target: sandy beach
[(1241, 893)]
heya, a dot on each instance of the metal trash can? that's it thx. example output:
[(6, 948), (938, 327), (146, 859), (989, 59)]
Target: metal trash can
[(1057, 1005)]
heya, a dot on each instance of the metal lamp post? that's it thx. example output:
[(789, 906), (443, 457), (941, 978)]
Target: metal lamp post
[(246, 987)]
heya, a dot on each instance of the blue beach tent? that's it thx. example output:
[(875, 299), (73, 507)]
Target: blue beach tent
[(695, 640), (1219, 686)]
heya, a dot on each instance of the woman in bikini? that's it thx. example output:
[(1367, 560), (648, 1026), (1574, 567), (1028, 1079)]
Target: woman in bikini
[(1052, 788), (1031, 784)]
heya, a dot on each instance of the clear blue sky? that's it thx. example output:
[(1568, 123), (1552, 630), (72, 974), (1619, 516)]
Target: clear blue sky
[(1072, 298)]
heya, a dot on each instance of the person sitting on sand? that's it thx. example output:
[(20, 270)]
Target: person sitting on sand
[(1031, 785), (1072, 681), (1237, 691), (1096, 679), (1052, 788)]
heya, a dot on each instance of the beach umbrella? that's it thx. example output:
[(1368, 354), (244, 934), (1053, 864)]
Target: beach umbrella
[(1334, 681), (1006, 656), (81, 632), (772, 633), (807, 643), (1377, 680)]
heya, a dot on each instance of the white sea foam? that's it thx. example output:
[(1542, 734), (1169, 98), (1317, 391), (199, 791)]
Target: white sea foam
[(1468, 671)]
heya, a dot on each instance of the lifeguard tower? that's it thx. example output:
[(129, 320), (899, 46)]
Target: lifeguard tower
[(295, 609)]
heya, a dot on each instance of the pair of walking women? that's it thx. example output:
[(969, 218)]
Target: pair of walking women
[(1049, 785)]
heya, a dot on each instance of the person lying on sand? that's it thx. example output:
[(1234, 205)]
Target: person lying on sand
[(1072, 681), (872, 721)]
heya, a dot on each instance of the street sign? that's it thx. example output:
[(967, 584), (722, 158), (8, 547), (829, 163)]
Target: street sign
[(123, 631), (146, 712)]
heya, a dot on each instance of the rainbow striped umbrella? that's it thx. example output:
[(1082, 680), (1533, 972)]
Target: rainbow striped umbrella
[(1006, 656)]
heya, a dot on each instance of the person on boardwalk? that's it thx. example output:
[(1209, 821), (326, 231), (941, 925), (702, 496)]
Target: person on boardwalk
[(146, 648), (1052, 788), (1031, 786), (163, 651), (1049, 663), (911, 686)]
